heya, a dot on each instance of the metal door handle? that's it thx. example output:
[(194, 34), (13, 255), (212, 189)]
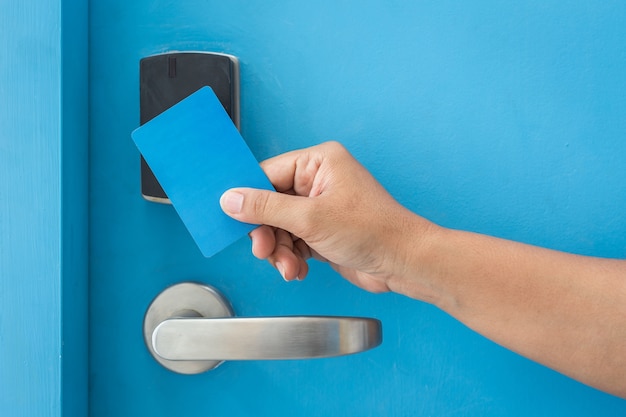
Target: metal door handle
[(190, 328)]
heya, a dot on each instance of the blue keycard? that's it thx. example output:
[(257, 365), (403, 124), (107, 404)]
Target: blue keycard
[(197, 153)]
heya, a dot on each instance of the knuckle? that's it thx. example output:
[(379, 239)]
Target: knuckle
[(260, 206), (335, 147)]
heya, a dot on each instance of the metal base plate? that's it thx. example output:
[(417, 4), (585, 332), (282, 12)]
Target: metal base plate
[(187, 299)]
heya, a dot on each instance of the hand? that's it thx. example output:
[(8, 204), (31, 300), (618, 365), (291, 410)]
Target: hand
[(537, 302), (327, 207)]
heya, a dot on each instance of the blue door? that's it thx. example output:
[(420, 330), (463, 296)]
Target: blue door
[(497, 118)]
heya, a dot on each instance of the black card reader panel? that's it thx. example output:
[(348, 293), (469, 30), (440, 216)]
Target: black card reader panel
[(166, 79)]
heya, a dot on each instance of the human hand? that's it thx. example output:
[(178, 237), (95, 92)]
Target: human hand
[(329, 207)]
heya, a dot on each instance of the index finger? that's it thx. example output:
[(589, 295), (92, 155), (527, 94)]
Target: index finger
[(293, 172)]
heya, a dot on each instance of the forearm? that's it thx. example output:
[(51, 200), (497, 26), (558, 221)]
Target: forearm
[(565, 311)]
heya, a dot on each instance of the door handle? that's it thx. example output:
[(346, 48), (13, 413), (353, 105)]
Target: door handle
[(190, 328)]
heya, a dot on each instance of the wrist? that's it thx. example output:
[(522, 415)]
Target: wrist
[(415, 263)]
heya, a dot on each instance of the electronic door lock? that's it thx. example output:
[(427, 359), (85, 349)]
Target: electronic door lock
[(166, 79)]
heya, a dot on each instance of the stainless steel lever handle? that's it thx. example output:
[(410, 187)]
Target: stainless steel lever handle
[(264, 337), (190, 328)]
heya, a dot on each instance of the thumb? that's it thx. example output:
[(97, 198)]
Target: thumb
[(251, 205)]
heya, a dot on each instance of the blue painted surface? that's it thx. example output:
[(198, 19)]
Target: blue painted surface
[(505, 119), (43, 208), (74, 207)]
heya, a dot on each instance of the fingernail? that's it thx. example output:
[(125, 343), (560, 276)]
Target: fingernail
[(232, 202), (281, 269)]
